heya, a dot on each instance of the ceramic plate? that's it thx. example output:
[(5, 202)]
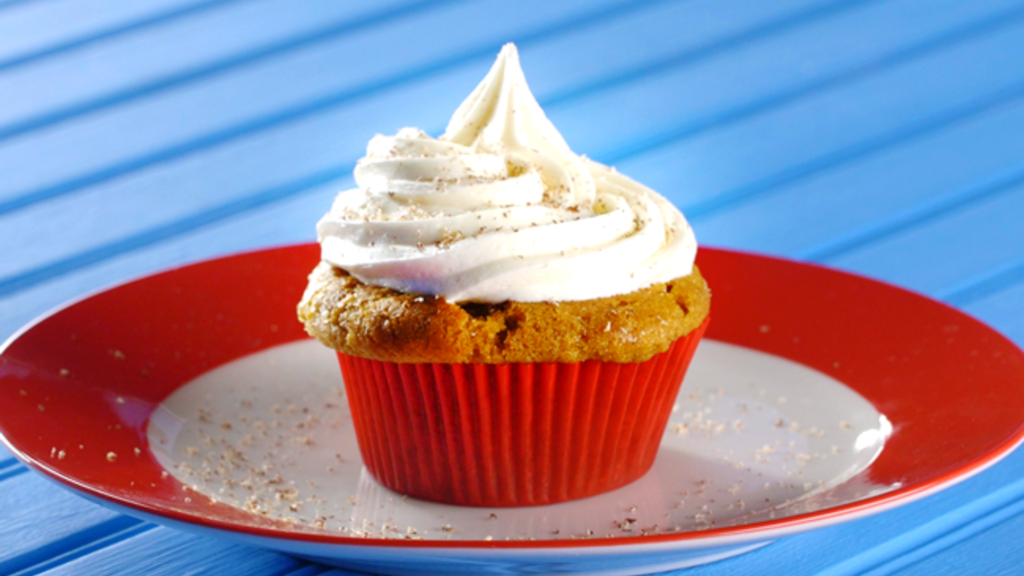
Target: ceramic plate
[(194, 399)]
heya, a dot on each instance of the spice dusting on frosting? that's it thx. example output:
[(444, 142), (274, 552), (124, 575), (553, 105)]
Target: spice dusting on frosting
[(499, 208)]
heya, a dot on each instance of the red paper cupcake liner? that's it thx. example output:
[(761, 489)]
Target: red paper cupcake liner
[(519, 434)]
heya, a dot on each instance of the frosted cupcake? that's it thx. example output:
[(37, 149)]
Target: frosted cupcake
[(513, 321)]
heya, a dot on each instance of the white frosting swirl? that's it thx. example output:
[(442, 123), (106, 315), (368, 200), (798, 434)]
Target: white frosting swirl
[(499, 208)]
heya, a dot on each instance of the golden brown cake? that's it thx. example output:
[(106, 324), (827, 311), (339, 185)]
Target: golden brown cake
[(384, 324)]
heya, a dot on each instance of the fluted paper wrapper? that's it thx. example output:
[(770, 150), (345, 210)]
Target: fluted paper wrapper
[(520, 434)]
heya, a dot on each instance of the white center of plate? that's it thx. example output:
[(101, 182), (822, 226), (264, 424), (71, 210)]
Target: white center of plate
[(752, 437)]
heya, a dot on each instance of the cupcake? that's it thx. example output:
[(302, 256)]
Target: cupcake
[(513, 321)]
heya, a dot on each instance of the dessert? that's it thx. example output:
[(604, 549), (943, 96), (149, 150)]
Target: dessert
[(512, 320)]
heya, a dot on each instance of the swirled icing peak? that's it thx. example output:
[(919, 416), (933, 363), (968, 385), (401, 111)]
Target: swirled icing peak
[(500, 208)]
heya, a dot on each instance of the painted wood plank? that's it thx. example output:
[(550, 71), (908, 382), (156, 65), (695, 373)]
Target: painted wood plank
[(876, 195), (164, 551), (66, 216), (101, 541), (735, 162), (361, 55), (980, 287), (687, 97), (289, 221), (996, 552), (989, 545), (275, 92), (146, 131), (34, 28), (1004, 310), (168, 118), (180, 50), (943, 252), (644, 41), (854, 548), (41, 520), (219, 176), (290, 146), (10, 468)]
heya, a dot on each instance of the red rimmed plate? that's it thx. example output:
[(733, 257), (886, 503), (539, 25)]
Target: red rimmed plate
[(78, 388)]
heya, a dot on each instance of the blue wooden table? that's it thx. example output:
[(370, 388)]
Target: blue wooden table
[(880, 137)]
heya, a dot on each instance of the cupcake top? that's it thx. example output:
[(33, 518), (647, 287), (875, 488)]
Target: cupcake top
[(498, 208)]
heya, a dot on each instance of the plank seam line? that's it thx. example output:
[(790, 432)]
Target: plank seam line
[(938, 534), (759, 106), (302, 110), (915, 216), (8, 462), (983, 285), (336, 28), (854, 152), (949, 540), (108, 533), (24, 280), (11, 472), (113, 32)]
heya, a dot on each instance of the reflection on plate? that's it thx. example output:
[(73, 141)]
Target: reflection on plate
[(785, 402), (753, 437)]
